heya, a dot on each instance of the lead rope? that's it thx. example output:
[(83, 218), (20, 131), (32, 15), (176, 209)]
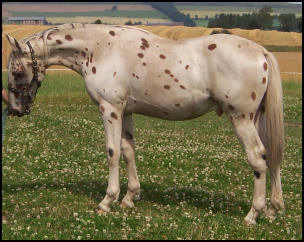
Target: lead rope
[(4, 114)]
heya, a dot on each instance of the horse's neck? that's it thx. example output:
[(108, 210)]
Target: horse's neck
[(70, 48)]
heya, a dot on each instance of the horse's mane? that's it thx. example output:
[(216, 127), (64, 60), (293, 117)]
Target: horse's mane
[(74, 26)]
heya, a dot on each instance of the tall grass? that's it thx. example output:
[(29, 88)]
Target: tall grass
[(195, 180)]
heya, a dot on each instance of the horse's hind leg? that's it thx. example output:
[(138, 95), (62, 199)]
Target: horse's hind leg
[(248, 135), (276, 194), (128, 151)]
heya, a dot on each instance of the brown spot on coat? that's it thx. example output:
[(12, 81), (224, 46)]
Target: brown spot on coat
[(68, 37), (145, 43), (140, 55), (91, 57), (111, 152), (94, 69), (265, 66), (167, 86), (162, 56), (251, 116), (226, 96), (49, 37), (182, 87), (186, 67), (112, 33), (144, 64), (177, 105), (58, 41), (83, 54), (211, 47), (114, 115), (114, 74), (230, 107), (176, 80), (243, 116), (253, 95), (102, 109), (264, 80), (167, 71)]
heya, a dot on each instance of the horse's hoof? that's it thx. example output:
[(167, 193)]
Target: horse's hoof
[(125, 205), (100, 211), (249, 222)]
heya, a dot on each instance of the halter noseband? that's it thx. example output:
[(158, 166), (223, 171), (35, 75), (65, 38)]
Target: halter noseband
[(26, 90)]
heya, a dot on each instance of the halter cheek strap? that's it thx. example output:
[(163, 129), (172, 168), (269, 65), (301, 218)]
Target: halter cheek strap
[(34, 65)]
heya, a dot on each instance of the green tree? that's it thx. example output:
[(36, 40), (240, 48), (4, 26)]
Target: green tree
[(288, 22), (98, 21), (299, 24), (264, 18)]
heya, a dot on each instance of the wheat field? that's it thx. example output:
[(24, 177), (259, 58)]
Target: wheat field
[(289, 61)]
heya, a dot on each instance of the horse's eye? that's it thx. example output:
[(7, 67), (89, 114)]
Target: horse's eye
[(17, 75)]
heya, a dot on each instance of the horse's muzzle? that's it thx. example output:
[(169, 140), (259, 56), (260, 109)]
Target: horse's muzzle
[(16, 112)]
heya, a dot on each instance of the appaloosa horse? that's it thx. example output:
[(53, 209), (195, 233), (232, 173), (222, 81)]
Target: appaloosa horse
[(129, 70)]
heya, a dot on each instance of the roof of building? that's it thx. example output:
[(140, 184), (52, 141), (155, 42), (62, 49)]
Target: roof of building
[(26, 18)]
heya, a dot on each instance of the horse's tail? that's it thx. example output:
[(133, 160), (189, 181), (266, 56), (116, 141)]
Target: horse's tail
[(270, 116)]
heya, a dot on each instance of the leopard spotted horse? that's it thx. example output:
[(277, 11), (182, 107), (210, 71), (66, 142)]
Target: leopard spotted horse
[(129, 70)]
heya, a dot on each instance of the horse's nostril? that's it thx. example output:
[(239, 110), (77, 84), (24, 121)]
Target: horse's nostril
[(13, 111)]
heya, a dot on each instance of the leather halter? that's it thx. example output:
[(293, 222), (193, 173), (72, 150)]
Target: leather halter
[(34, 65), (26, 90)]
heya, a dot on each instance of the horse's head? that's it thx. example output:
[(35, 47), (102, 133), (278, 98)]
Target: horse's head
[(24, 76)]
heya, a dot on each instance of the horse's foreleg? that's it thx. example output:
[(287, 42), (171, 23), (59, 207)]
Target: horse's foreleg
[(255, 150), (128, 151), (112, 118)]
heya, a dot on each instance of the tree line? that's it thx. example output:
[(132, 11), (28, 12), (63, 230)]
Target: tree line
[(261, 20), (171, 11)]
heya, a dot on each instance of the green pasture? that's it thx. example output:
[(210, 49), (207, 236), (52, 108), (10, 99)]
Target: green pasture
[(195, 180)]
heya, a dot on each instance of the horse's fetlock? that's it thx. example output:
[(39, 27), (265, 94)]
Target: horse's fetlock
[(259, 204), (113, 193)]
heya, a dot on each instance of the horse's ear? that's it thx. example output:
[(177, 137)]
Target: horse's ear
[(14, 43)]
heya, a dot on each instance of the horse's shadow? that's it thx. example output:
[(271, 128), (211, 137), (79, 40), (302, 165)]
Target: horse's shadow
[(203, 199)]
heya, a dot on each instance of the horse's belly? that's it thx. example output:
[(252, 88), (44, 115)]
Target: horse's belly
[(179, 108)]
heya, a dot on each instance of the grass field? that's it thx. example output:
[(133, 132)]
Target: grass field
[(195, 180)]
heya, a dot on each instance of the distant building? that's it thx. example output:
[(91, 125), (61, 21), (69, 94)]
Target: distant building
[(166, 24), (27, 20)]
